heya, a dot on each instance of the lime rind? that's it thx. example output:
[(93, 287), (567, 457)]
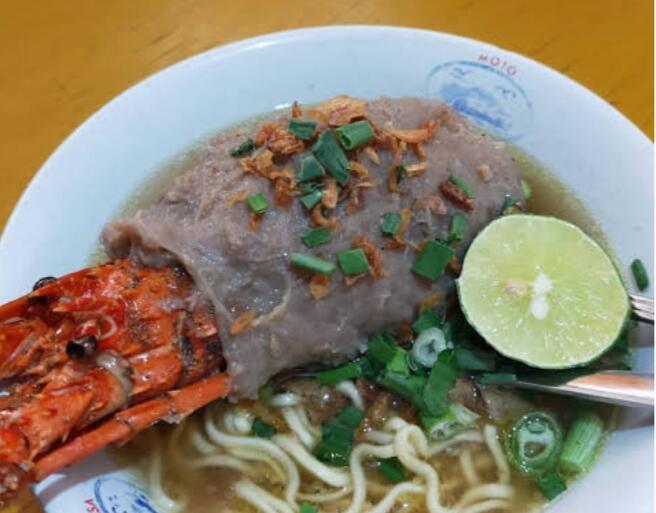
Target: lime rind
[(541, 291)]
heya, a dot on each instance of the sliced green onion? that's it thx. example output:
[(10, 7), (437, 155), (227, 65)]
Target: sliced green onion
[(475, 359), (310, 169), (311, 263), (526, 190), (389, 223), (243, 149), (401, 173), (463, 185), (428, 345), (262, 429), (440, 381), (343, 373), (302, 128), (328, 151), (458, 229), (382, 348), (353, 261), (533, 442), (355, 134), (311, 199), (456, 418), (497, 378), (257, 203), (408, 386), (509, 206), (551, 485), (399, 363), (316, 237), (368, 369), (432, 260), (306, 507), (640, 274), (337, 436), (427, 319), (392, 469), (581, 443)]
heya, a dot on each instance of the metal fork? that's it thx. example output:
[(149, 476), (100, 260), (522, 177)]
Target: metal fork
[(642, 308)]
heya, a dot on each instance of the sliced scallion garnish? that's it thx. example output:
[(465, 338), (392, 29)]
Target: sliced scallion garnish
[(440, 381), (428, 345), (243, 149), (432, 260), (311, 199), (497, 378), (551, 485), (257, 203), (334, 376), (337, 436), (456, 418), (401, 173), (533, 442), (463, 185), (311, 263), (262, 429), (475, 359), (302, 128), (382, 348), (581, 443), (427, 319), (389, 223), (316, 237), (330, 154), (392, 469), (459, 227), (355, 134), (310, 169), (640, 274), (306, 507), (353, 261)]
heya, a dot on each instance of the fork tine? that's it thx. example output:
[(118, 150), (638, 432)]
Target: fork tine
[(643, 307)]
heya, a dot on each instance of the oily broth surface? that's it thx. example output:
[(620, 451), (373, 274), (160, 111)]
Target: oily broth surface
[(210, 489)]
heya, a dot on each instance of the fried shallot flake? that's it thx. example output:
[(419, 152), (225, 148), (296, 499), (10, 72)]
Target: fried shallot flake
[(341, 110), (254, 221), (430, 301), (456, 195), (372, 155), (397, 241), (454, 266), (484, 173), (319, 286), (319, 219), (261, 164), (417, 135), (297, 113), (237, 197), (419, 151), (284, 185), (416, 169), (435, 204), (242, 323), (359, 169), (275, 136), (329, 196), (373, 254)]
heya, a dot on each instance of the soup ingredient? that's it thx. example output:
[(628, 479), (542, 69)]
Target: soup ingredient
[(389, 223), (262, 429), (441, 379), (551, 485), (306, 507), (426, 319), (432, 260), (343, 373), (463, 185), (243, 149), (355, 134), (302, 128), (534, 442), (239, 269), (337, 436), (428, 345), (541, 291), (311, 263), (456, 418), (353, 261), (392, 469), (581, 443), (316, 237), (310, 169), (257, 203), (458, 228), (96, 356), (640, 274)]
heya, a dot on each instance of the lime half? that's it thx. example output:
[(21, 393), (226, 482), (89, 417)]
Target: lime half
[(541, 291)]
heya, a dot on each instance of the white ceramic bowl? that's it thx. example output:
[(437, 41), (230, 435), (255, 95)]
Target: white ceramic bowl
[(605, 159)]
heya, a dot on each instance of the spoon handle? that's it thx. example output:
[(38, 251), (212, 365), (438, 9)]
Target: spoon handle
[(616, 387)]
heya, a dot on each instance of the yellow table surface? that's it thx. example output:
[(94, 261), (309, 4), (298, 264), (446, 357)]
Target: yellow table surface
[(62, 60)]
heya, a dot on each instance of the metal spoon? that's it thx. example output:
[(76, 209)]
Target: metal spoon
[(615, 387)]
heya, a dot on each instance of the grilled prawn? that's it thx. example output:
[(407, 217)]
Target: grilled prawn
[(95, 357)]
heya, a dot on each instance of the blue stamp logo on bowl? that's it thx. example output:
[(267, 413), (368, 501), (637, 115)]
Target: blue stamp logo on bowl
[(487, 96), (115, 495)]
